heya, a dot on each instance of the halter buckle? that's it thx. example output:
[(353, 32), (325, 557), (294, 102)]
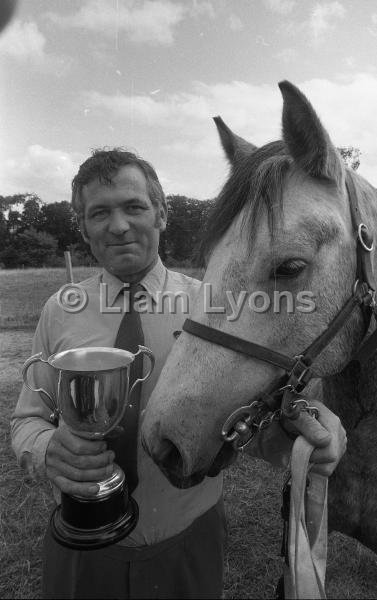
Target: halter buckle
[(243, 424)]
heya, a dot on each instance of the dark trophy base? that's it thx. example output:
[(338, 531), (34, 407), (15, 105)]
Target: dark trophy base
[(90, 524)]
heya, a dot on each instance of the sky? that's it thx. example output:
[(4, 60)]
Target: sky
[(149, 75)]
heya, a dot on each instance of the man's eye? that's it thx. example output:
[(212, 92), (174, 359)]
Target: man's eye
[(99, 214), (289, 269)]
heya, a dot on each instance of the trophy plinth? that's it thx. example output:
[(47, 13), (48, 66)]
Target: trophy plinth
[(92, 523), (93, 391)]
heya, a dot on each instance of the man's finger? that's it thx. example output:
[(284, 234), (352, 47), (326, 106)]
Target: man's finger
[(85, 461), (310, 428), (323, 455), (88, 490), (75, 474), (77, 445), (331, 453)]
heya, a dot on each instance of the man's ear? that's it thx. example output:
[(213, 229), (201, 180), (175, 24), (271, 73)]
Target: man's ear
[(163, 216), (83, 232)]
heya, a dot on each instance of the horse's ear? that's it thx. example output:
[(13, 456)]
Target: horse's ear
[(306, 138), (234, 145)]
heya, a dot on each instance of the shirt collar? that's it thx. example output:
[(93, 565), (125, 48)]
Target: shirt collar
[(152, 282)]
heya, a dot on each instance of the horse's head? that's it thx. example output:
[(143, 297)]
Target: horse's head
[(281, 256)]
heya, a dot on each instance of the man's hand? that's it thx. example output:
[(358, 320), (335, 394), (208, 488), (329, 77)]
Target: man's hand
[(74, 464), (326, 434)]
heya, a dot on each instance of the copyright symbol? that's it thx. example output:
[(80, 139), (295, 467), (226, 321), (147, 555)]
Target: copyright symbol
[(72, 298)]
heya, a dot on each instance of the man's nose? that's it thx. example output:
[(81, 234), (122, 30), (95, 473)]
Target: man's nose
[(118, 223)]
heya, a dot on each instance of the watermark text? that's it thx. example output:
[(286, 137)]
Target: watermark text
[(73, 298)]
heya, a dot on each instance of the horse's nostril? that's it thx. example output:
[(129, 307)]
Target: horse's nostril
[(168, 455)]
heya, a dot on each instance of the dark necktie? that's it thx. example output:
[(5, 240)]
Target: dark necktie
[(129, 337)]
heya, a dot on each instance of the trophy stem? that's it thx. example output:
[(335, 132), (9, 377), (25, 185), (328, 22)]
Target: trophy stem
[(91, 523)]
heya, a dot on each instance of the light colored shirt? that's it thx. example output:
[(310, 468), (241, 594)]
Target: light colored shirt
[(164, 509)]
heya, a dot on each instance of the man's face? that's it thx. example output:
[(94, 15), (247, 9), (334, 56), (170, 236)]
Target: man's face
[(122, 225)]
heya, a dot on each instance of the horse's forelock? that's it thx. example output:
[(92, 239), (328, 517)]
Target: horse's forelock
[(255, 182)]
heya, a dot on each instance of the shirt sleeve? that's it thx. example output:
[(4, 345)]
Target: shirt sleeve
[(31, 424)]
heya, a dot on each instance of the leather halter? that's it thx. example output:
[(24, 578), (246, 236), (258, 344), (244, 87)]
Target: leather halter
[(281, 397)]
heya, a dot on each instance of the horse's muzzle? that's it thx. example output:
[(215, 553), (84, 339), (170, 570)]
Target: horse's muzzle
[(169, 460)]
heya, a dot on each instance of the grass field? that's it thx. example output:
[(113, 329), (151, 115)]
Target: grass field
[(252, 488), (23, 292)]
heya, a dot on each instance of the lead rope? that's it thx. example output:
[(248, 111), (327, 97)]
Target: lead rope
[(305, 528)]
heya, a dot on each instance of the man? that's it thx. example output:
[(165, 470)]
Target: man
[(176, 549)]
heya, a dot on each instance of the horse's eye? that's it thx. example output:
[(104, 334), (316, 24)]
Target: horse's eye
[(289, 269)]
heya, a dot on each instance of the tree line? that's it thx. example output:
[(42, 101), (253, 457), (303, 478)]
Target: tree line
[(36, 234)]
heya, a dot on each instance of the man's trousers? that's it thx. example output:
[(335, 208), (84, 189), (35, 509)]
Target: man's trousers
[(188, 565)]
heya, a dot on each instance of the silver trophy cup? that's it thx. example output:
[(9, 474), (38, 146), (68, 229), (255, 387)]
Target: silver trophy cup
[(92, 394)]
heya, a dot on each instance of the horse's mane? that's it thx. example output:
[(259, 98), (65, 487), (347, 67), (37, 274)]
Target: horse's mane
[(255, 181)]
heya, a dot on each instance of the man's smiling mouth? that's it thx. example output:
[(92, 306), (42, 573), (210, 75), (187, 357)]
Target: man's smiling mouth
[(120, 243)]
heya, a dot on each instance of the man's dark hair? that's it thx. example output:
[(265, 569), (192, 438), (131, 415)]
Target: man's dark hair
[(103, 165)]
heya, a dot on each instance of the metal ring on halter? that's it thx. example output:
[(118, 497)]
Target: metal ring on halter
[(299, 401), (271, 417), (313, 411), (266, 422), (360, 229)]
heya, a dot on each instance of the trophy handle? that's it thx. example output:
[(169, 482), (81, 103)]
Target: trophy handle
[(149, 353), (34, 359)]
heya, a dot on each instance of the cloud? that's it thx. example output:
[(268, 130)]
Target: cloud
[(176, 133), (202, 8), (235, 23), (24, 42), (40, 170), (287, 55), (350, 62), (347, 109), (188, 114), (145, 109), (282, 7), (149, 21), (182, 121), (323, 16), (261, 41), (373, 29)]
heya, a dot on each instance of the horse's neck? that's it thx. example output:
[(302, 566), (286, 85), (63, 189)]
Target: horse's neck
[(352, 394), (353, 486)]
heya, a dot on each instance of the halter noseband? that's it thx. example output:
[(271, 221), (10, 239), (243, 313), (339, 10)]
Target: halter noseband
[(281, 398)]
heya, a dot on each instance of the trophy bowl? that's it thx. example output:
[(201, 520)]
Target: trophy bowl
[(93, 392)]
